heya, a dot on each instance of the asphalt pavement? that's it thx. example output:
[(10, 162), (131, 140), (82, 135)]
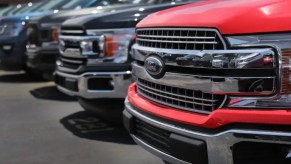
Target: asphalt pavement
[(39, 125)]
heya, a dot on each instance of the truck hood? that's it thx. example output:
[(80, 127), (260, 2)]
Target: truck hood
[(125, 18), (22, 17), (57, 18), (228, 16)]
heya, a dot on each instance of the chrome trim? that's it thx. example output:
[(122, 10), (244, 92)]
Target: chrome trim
[(166, 41), (50, 25), (119, 83), (196, 29), (157, 152), (72, 61), (64, 69), (176, 106), (79, 38), (187, 97), (203, 83), (197, 101), (176, 37), (246, 59), (278, 41), (73, 53), (239, 48), (72, 31), (279, 38), (279, 66), (103, 31), (140, 88), (217, 153)]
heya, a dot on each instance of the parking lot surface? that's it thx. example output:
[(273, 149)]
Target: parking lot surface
[(41, 125)]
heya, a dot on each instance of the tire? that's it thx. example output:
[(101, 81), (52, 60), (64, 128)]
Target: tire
[(165, 162), (108, 109), (34, 74)]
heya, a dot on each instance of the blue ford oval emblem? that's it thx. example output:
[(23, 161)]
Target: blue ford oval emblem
[(155, 66)]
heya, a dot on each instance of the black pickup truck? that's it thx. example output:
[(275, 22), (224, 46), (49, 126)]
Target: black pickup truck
[(95, 61), (42, 47)]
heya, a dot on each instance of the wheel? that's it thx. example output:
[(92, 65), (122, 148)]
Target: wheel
[(109, 109)]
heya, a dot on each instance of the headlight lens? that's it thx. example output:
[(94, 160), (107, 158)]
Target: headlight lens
[(111, 45), (282, 42), (50, 32), (10, 29)]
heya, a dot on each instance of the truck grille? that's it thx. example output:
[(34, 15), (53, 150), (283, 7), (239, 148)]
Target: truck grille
[(156, 137), (181, 39), (72, 63), (72, 44), (185, 99), (33, 34)]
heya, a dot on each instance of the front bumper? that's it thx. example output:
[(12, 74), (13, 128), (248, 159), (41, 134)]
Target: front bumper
[(219, 144), (222, 132), (42, 58), (86, 85)]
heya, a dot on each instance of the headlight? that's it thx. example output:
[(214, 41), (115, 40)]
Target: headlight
[(10, 29), (111, 44), (50, 32), (282, 44)]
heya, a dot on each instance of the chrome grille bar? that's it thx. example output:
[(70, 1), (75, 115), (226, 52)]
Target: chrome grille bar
[(176, 37), (165, 41), (171, 94), (181, 39), (72, 61), (168, 97)]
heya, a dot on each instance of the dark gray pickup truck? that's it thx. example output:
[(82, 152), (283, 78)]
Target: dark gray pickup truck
[(95, 61)]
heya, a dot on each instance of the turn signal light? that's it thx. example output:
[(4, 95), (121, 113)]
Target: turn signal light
[(110, 47), (55, 34), (286, 72)]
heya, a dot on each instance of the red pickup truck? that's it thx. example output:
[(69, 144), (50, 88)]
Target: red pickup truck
[(212, 83)]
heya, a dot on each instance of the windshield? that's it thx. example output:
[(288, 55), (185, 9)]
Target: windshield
[(42, 6), (114, 2), (76, 4), (29, 7), (156, 1), (6, 9), (14, 9), (52, 5)]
